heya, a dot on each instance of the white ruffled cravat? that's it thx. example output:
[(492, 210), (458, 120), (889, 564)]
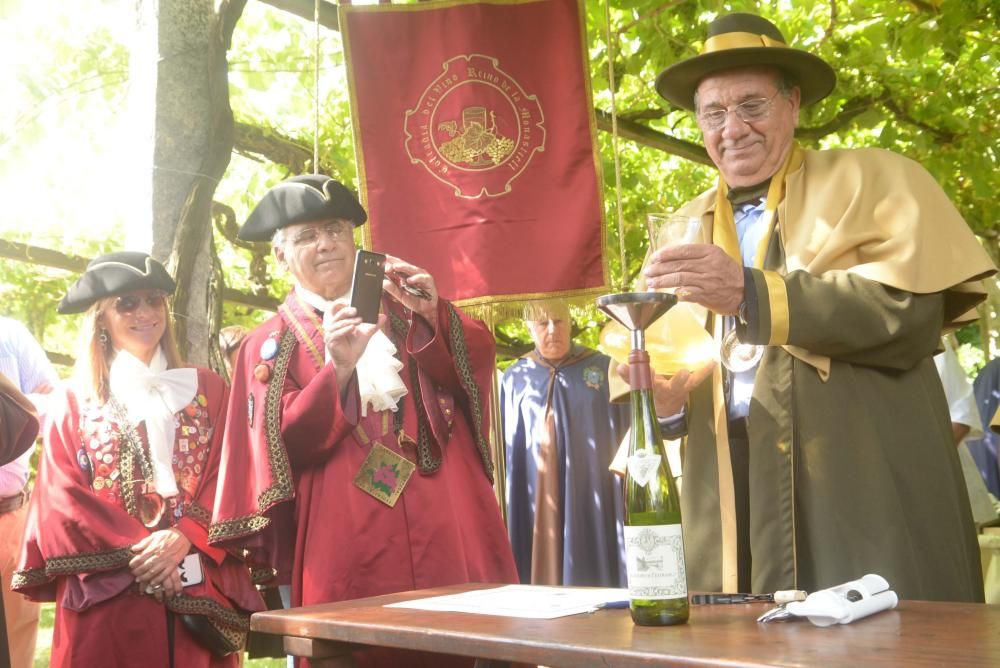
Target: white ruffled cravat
[(153, 394), (379, 383)]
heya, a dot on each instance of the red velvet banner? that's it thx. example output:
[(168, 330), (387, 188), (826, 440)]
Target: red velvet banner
[(474, 132)]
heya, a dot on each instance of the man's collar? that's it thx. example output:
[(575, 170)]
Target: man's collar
[(748, 194), (313, 299), (575, 354)]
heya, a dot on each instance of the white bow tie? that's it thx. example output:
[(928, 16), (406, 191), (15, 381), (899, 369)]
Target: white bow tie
[(153, 394)]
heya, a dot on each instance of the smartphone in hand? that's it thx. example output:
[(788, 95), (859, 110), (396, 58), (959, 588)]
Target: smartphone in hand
[(366, 285)]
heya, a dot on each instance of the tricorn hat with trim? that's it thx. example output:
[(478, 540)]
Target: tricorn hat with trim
[(745, 40), (115, 274), (301, 199)]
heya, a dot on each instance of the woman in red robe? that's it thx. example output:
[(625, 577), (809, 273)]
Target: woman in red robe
[(117, 527)]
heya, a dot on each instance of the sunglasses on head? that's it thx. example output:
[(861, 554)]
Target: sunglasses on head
[(130, 303)]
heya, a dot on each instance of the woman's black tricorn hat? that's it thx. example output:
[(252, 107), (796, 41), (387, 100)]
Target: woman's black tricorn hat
[(301, 199), (745, 40), (115, 274)]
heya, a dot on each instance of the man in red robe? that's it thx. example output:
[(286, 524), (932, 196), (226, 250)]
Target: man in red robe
[(356, 460)]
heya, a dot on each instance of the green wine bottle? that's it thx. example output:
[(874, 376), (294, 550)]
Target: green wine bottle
[(654, 543)]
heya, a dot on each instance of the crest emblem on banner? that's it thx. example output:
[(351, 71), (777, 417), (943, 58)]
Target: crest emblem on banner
[(475, 128)]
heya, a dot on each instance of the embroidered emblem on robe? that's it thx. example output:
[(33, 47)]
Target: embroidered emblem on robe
[(384, 474)]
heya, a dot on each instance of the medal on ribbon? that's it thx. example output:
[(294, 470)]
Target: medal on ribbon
[(384, 474)]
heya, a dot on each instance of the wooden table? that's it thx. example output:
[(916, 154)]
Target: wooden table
[(917, 633)]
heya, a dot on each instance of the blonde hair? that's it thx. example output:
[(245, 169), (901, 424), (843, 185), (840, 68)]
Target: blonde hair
[(546, 309), (93, 361)]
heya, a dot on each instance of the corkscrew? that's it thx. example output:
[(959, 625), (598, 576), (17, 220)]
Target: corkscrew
[(839, 605)]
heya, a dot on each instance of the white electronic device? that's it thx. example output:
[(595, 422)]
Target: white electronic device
[(190, 571)]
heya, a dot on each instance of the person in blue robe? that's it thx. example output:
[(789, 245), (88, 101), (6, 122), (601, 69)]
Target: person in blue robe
[(564, 506), (984, 450)]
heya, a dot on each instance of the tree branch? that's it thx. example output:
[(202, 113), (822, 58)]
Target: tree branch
[(830, 27), (851, 109), (268, 144), (642, 115), (14, 250), (228, 228), (509, 347), (647, 136), (922, 6), (255, 142), (940, 136), (45, 257)]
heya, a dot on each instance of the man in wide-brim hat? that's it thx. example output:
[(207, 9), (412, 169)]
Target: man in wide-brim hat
[(830, 455)]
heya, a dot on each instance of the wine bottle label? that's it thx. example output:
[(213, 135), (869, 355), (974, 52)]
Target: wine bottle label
[(654, 557), (642, 466)]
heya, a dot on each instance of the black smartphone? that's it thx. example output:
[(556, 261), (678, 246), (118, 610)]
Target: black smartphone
[(366, 285)]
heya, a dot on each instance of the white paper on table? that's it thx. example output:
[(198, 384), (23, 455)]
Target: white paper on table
[(527, 601)]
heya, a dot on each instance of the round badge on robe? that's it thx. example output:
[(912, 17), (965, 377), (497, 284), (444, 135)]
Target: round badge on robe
[(84, 461), (262, 372), (268, 349)]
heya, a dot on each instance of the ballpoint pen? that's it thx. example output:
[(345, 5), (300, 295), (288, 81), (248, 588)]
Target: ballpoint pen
[(610, 605), (783, 596)]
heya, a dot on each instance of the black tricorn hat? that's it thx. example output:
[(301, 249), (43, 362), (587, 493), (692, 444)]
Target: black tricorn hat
[(745, 40), (115, 274), (301, 199)]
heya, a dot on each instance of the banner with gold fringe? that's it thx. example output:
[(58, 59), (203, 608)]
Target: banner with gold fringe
[(475, 138)]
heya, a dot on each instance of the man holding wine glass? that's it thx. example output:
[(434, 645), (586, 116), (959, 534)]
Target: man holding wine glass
[(828, 456)]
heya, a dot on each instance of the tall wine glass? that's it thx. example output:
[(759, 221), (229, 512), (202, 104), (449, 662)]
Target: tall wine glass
[(679, 339), (670, 229)]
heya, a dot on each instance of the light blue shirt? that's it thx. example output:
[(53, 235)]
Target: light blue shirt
[(750, 228), (24, 363)]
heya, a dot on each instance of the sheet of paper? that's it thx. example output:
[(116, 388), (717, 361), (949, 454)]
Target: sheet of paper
[(527, 601)]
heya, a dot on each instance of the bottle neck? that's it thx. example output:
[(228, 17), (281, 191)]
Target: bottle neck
[(645, 427), (640, 377)]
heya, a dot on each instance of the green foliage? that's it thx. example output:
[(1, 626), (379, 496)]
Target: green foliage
[(30, 293), (43, 645), (919, 78)]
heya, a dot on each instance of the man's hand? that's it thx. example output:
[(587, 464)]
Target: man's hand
[(416, 277), (702, 273), (671, 393), (346, 338), (156, 560)]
